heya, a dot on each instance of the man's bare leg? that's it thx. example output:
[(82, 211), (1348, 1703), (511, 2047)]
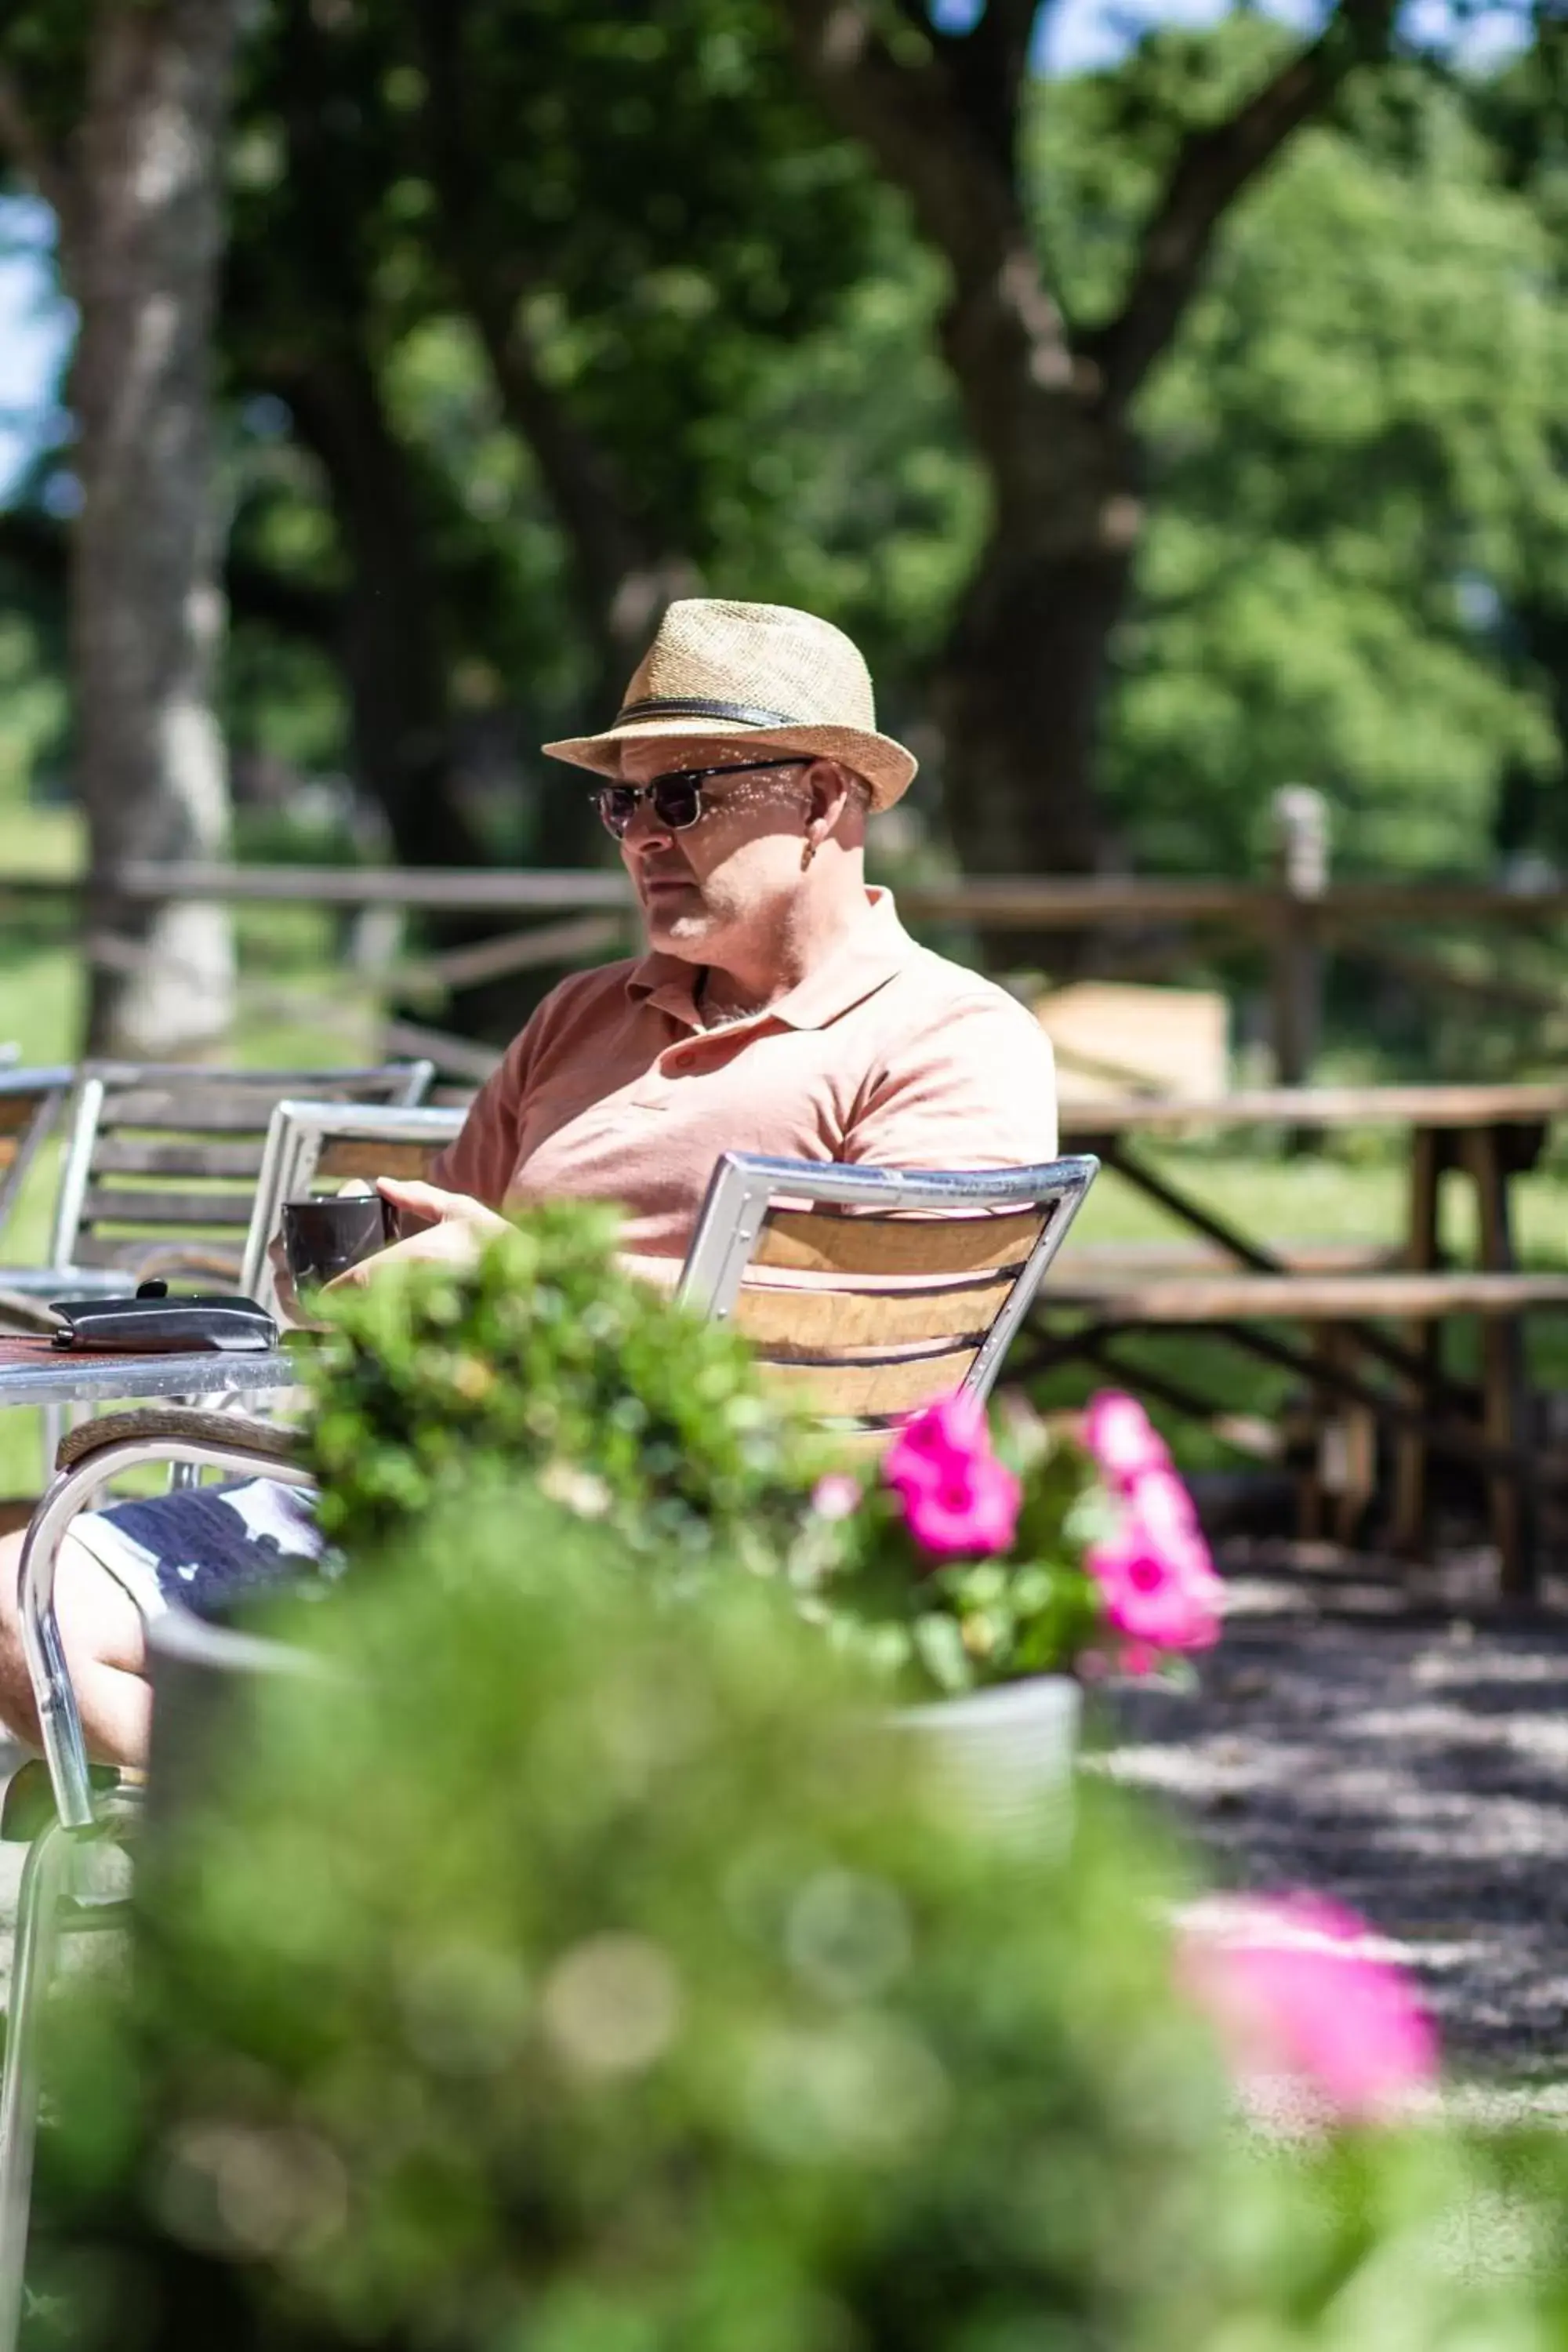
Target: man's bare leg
[(105, 1646)]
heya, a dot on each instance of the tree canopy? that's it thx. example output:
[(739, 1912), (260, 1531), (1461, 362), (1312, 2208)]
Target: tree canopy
[(537, 311)]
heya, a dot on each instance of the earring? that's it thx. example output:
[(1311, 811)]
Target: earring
[(808, 851)]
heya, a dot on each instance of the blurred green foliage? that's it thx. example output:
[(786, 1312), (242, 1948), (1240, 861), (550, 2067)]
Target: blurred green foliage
[(530, 1963), (641, 1998), (548, 1970), (1357, 472), (1353, 452), (543, 1356), (1356, 569)]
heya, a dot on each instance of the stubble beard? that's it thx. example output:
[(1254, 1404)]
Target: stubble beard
[(683, 931)]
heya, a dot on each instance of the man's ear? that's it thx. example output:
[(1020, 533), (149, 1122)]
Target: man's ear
[(830, 796)]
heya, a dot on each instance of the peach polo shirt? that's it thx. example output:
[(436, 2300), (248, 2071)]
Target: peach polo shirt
[(885, 1054)]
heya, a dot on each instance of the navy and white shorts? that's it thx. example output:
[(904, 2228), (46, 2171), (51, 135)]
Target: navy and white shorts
[(202, 1546)]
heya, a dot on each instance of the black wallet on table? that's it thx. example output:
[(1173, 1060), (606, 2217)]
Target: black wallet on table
[(154, 1322)]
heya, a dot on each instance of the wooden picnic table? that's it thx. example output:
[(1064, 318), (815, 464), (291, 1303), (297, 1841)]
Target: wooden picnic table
[(1490, 1135)]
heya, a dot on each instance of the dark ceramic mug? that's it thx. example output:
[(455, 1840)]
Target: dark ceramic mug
[(322, 1239)]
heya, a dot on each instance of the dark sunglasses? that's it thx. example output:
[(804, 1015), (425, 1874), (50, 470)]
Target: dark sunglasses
[(678, 800)]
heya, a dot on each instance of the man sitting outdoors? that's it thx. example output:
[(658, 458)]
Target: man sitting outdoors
[(781, 1008)]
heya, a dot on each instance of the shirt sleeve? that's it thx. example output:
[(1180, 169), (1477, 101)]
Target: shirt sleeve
[(482, 1159), (977, 1089)]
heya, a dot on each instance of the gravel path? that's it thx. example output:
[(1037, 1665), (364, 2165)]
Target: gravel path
[(1354, 1735)]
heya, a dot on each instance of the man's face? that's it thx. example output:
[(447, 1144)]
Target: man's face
[(730, 876)]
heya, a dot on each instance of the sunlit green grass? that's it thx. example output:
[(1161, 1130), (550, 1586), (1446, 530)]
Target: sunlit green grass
[(41, 840)]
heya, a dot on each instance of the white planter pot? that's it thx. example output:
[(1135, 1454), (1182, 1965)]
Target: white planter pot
[(1007, 1753)]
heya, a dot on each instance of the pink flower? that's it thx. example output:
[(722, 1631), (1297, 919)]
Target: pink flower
[(836, 1496), (958, 1500), (937, 1443), (1300, 2001), (1157, 1582), (1121, 1438), (975, 1511), (1164, 1508)]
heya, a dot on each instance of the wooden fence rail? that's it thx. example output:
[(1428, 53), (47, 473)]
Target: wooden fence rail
[(1297, 916), (1003, 903)]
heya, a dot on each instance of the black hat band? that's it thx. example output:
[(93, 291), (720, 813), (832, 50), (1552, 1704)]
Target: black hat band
[(739, 714)]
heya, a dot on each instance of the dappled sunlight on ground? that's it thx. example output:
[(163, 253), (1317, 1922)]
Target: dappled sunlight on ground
[(1350, 1737)]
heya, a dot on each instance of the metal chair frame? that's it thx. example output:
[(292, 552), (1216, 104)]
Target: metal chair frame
[(92, 1083), (745, 1186), (48, 1899), (52, 1084), (744, 1190), (301, 1132)]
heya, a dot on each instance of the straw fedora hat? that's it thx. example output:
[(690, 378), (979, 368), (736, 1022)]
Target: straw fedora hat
[(770, 677)]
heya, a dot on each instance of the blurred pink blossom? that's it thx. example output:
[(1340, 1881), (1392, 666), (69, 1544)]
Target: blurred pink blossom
[(1299, 2001), (937, 1442), (1165, 1510), (960, 1501), (1157, 1582), (1122, 1440), (975, 1511), (835, 1495)]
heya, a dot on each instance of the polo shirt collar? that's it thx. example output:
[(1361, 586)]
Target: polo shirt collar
[(874, 949)]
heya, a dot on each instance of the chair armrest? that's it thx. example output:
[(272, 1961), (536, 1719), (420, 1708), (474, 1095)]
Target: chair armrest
[(20, 1313), (183, 1261), (185, 1425), (90, 1459)]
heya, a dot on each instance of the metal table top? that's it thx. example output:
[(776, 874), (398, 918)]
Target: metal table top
[(34, 1372)]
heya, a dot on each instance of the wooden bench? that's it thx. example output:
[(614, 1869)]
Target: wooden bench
[(1349, 1314), (1332, 1298), (1486, 1137)]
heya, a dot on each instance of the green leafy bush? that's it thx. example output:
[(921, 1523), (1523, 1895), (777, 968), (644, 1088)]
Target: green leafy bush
[(563, 1974), (545, 1357), (559, 1972), (947, 1565), (572, 1972)]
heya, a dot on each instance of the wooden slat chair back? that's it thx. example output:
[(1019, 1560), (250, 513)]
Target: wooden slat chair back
[(30, 1104), (889, 1288), (163, 1162), (316, 1147)]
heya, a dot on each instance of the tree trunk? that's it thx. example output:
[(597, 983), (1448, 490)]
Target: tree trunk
[(1019, 689), (1017, 697), (405, 756), (623, 572), (393, 655), (146, 611)]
